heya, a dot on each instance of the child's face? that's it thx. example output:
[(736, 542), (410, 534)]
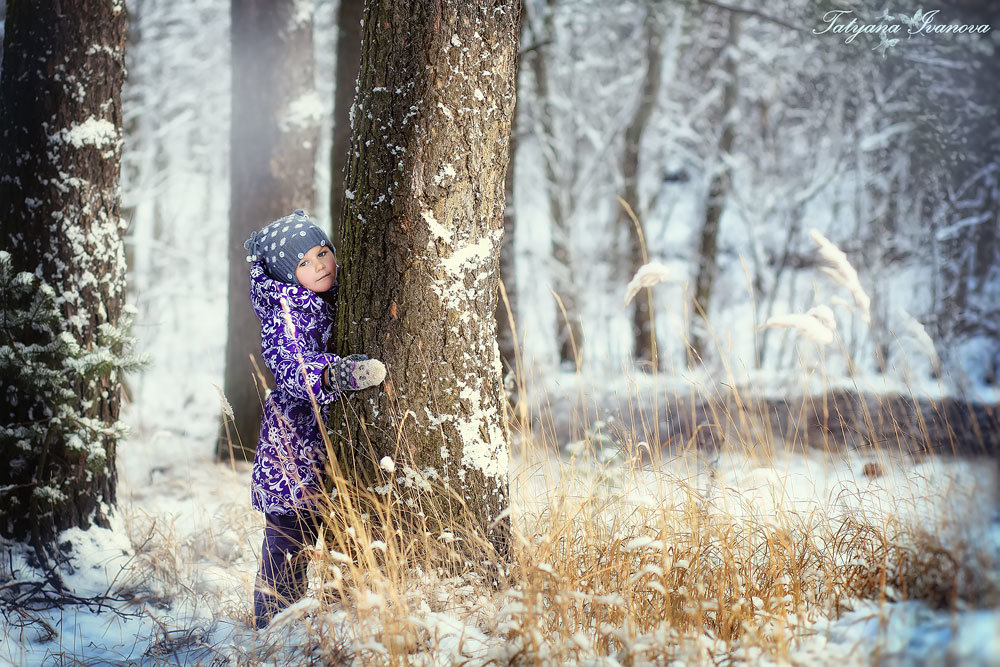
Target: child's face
[(317, 270)]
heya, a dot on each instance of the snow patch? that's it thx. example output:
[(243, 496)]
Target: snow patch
[(470, 257), (484, 447), (447, 171), (437, 230), (91, 132)]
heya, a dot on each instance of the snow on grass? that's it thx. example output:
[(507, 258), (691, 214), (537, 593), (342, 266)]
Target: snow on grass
[(648, 275), (816, 325), (841, 271), (595, 538)]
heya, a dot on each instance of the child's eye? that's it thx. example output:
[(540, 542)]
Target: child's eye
[(322, 253), (304, 262)]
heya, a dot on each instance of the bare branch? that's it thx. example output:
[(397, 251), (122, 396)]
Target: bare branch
[(753, 12)]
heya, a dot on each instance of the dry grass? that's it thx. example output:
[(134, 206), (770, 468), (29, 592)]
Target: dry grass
[(618, 555), (605, 565)]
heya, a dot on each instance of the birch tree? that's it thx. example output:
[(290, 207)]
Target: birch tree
[(62, 264), (273, 136), (422, 232)]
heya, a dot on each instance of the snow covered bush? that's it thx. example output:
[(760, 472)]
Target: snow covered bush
[(51, 443)]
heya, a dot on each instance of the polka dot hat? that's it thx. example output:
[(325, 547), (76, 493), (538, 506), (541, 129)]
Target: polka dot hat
[(282, 244)]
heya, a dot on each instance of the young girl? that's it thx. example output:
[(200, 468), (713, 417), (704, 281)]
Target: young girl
[(293, 290)]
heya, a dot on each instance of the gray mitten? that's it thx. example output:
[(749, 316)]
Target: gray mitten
[(355, 372)]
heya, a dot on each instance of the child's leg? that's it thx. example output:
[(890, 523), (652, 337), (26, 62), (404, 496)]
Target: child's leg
[(282, 577)]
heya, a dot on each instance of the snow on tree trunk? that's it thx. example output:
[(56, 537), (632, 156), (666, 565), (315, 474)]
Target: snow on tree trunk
[(422, 232), (349, 15), (274, 132), (61, 113)]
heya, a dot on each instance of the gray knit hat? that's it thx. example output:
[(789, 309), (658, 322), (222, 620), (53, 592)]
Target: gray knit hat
[(282, 244)]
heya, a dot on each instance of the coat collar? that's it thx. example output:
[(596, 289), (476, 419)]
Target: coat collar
[(267, 293)]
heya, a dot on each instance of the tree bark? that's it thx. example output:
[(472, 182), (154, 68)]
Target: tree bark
[(719, 189), (61, 114), (422, 230), (273, 140), (643, 317), (349, 16)]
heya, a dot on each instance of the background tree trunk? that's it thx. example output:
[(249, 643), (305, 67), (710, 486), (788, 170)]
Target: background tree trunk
[(718, 191), (61, 114), (643, 317), (273, 136), (349, 15), (564, 283), (508, 272), (421, 235)]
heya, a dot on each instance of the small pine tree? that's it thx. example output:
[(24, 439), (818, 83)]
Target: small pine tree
[(49, 448)]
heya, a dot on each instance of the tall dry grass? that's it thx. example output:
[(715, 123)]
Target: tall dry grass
[(626, 551), (596, 572)]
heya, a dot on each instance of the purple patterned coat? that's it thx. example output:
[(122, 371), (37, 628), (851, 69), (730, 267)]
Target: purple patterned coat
[(290, 452)]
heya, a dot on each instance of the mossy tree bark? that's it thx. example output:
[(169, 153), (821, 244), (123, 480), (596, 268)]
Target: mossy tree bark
[(60, 157), (273, 136), (422, 231)]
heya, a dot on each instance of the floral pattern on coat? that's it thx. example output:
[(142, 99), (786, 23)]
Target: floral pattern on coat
[(290, 452)]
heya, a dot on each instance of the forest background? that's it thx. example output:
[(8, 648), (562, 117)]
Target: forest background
[(892, 157), (737, 136)]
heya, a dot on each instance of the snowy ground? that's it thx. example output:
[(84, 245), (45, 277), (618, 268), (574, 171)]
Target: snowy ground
[(180, 559)]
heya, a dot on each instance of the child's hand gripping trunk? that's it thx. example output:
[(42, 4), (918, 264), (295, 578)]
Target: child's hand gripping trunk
[(354, 372)]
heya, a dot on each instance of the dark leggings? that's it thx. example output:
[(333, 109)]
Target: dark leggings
[(281, 580)]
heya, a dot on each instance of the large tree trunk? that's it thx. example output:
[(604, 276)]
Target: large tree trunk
[(718, 191), (422, 231), (61, 114), (272, 155), (348, 60), (642, 314)]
